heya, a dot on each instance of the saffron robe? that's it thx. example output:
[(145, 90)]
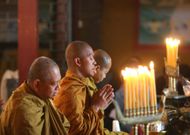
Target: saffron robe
[(27, 114), (74, 101)]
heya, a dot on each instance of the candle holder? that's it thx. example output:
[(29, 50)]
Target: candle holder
[(173, 74), (141, 119)]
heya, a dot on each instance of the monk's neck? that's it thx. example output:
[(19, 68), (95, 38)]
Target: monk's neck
[(76, 73)]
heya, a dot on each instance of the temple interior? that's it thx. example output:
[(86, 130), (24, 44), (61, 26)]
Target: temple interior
[(133, 32)]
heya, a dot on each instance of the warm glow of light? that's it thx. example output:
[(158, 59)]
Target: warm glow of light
[(139, 88), (151, 65), (172, 41), (126, 72), (172, 51)]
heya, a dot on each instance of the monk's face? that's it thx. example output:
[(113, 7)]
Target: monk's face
[(48, 88), (87, 63), (100, 74)]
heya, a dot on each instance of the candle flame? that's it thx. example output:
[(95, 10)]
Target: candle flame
[(172, 41), (151, 65), (137, 71), (126, 72)]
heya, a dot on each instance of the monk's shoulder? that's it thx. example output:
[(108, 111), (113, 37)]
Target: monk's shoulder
[(24, 104), (22, 97), (33, 100), (72, 84)]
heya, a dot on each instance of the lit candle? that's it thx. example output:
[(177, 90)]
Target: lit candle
[(147, 78), (126, 73), (137, 98), (153, 97), (129, 82), (126, 89), (133, 89), (144, 87), (140, 86), (172, 51)]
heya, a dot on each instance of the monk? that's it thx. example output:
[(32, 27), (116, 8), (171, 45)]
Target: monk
[(29, 110), (103, 66), (76, 97)]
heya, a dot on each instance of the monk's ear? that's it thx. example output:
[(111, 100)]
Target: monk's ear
[(97, 67), (36, 84), (77, 61)]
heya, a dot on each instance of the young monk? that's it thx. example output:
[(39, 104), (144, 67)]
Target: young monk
[(75, 97), (29, 110), (103, 66)]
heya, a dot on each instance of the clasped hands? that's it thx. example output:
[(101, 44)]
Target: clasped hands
[(102, 98)]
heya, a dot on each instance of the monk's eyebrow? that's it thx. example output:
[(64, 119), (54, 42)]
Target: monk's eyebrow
[(89, 54)]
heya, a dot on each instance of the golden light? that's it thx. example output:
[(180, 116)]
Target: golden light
[(151, 65), (172, 41), (139, 89), (172, 51)]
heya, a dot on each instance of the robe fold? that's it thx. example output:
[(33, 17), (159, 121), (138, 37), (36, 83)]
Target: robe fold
[(27, 114), (74, 101)]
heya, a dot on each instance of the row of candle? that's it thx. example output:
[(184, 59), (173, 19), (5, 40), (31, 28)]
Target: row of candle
[(139, 90)]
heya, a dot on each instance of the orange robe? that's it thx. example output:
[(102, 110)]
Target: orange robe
[(27, 114), (74, 101)]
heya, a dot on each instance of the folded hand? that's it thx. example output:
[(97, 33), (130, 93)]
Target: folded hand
[(103, 97)]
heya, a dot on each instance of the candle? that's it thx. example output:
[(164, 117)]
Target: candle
[(133, 91), (126, 89), (126, 73), (172, 51), (137, 98), (153, 100), (129, 82), (142, 88), (147, 78)]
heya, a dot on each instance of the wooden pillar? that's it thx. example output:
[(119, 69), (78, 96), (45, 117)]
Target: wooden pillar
[(27, 35)]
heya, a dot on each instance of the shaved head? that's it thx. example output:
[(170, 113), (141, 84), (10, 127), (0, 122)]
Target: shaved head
[(80, 59), (41, 69), (76, 49), (102, 58), (103, 66)]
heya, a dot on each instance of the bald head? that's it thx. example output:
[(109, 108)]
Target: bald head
[(76, 49), (102, 58), (42, 68)]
